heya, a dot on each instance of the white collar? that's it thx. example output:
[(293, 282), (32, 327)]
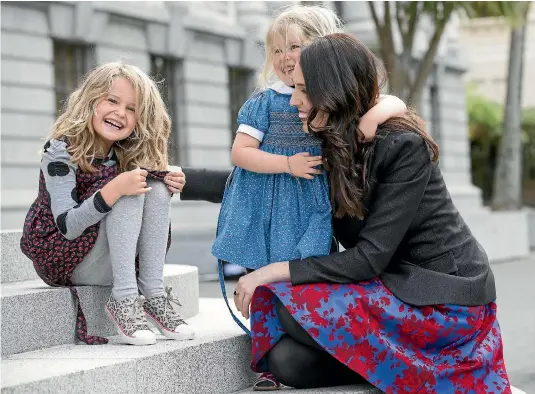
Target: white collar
[(281, 88)]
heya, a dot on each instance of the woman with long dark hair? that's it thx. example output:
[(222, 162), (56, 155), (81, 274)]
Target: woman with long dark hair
[(409, 304)]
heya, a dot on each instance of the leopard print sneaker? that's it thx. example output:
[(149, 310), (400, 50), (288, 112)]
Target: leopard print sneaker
[(160, 312), (129, 317)]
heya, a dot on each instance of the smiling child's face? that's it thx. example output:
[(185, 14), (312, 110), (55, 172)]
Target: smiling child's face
[(286, 54)]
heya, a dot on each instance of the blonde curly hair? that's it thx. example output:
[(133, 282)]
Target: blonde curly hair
[(146, 147), (308, 22)]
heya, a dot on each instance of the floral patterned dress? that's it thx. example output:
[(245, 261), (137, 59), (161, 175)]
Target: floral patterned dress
[(397, 347)]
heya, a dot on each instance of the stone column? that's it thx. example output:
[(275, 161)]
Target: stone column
[(202, 83), (253, 16), (358, 20), (451, 123)]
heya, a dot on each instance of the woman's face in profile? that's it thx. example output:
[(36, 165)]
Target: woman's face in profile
[(302, 103)]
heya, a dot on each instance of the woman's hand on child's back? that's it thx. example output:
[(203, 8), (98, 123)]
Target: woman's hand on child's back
[(302, 165)]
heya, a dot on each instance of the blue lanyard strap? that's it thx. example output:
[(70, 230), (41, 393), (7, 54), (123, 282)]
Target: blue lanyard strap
[(224, 291)]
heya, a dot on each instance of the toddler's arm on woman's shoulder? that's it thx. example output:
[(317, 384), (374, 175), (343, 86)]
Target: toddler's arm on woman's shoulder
[(387, 107)]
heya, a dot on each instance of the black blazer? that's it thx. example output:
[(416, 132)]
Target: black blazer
[(412, 236)]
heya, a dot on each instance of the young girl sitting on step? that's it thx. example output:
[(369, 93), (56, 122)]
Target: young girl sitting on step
[(104, 200)]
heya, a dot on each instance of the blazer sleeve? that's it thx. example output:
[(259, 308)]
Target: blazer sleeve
[(403, 176), (204, 185)]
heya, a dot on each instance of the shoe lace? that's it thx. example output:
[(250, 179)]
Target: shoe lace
[(137, 313), (169, 310)]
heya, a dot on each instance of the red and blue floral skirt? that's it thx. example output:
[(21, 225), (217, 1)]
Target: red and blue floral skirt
[(399, 348)]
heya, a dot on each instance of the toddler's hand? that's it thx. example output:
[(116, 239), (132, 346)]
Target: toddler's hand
[(302, 165), (132, 182), (175, 181), (368, 127)]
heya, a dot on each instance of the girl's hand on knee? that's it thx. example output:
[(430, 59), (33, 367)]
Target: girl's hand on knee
[(128, 183), (132, 183), (175, 181)]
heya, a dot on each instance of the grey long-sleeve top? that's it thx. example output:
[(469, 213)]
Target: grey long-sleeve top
[(71, 216)]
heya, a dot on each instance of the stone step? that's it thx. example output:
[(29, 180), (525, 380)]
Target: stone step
[(354, 389), (15, 266), (217, 361), (36, 316), (190, 245)]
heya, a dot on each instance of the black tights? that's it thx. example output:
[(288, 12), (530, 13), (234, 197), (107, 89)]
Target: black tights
[(298, 361)]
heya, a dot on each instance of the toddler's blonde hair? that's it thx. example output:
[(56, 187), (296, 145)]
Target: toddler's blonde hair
[(147, 145), (311, 22)]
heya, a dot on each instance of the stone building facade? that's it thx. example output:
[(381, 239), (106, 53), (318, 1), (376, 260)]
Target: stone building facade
[(207, 55), (485, 46)]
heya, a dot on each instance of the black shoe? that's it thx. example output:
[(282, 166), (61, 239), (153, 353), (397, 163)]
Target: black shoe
[(266, 382)]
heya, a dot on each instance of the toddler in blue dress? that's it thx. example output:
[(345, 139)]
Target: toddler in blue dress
[(276, 205)]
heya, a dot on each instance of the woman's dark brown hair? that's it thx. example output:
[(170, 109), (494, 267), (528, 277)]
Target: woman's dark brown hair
[(342, 80)]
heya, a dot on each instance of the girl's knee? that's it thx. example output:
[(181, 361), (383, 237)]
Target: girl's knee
[(159, 191), (129, 203)]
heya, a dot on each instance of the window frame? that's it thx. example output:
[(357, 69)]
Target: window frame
[(239, 91), (67, 76), (167, 87)]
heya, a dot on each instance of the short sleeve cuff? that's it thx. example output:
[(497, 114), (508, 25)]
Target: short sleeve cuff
[(100, 204), (249, 130)]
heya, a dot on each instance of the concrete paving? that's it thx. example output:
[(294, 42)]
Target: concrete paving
[(515, 283)]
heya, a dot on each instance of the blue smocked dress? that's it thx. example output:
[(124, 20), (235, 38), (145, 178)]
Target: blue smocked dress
[(266, 218)]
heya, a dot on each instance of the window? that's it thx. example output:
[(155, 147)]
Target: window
[(70, 64), (162, 70), (241, 86)]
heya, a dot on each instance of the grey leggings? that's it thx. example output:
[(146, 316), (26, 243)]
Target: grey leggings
[(136, 224)]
